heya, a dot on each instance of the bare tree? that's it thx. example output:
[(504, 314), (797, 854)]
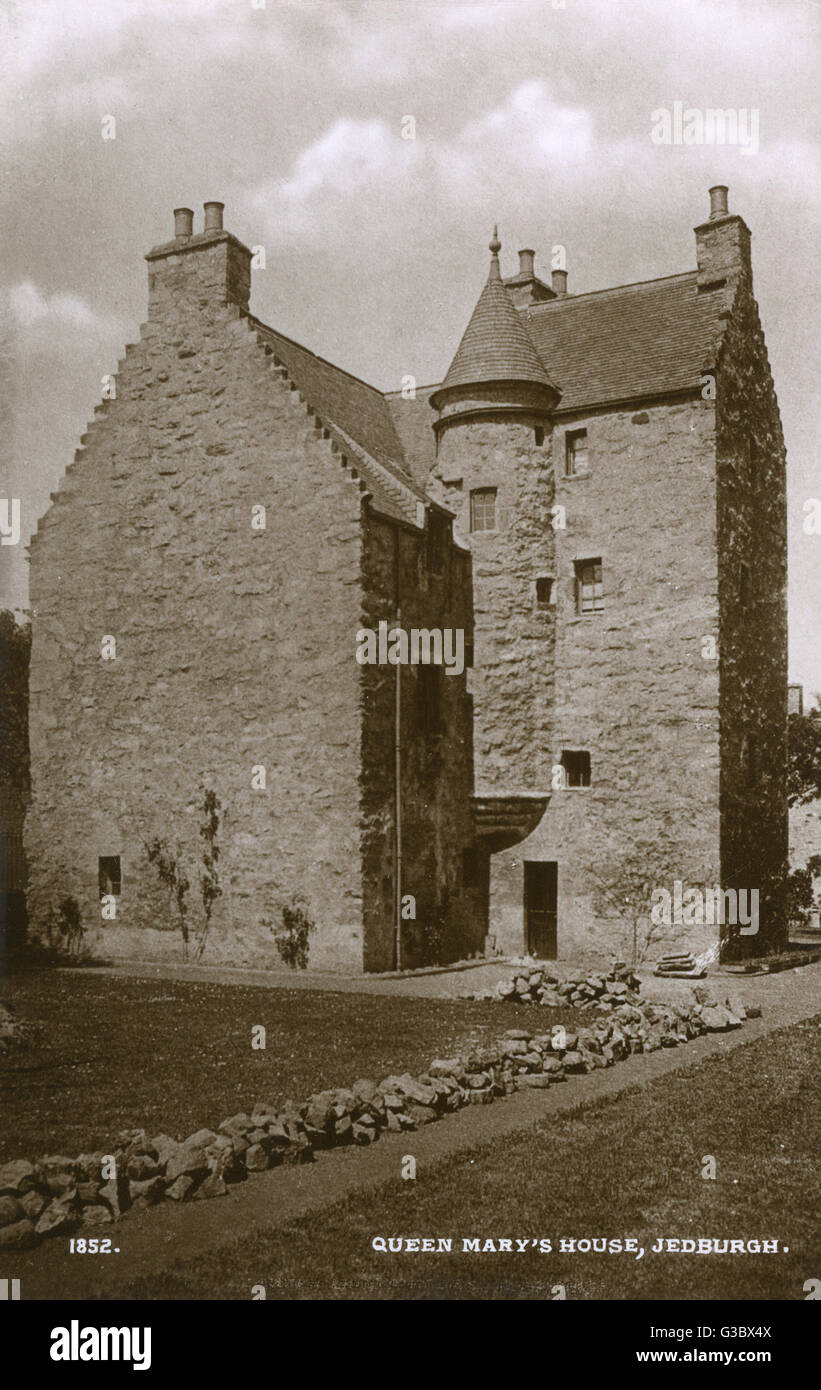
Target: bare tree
[(624, 885)]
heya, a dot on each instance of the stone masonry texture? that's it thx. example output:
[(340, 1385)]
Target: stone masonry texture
[(235, 646)]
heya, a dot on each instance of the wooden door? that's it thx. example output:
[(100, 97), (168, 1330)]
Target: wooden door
[(541, 909)]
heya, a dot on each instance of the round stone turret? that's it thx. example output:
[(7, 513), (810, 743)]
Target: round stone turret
[(496, 369)]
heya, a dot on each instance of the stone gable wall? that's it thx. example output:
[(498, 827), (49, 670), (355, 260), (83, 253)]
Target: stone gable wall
[(234, 645)]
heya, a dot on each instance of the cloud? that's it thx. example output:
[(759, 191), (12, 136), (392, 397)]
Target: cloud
[(356, 161), (529, 128), (30, 307), (347, 157)]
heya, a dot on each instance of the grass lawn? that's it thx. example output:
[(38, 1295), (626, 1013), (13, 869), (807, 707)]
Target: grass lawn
[(166, 1056), (627, 1166)]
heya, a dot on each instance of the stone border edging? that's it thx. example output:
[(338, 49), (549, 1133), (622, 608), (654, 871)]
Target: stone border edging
[(59, 1195)]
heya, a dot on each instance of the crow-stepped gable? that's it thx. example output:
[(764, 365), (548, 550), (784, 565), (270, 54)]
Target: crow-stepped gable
[(594, 496)]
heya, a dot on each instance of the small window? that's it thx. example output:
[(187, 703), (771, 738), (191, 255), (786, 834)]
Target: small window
[(436, 538), (576, 766), (427, 697), (589, 587), (469, 868), (575, 457), (545, 592), (483, 509), (109, 875), (538, 435), (744, 586)]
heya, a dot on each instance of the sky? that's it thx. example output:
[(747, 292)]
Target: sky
[(535, 114)]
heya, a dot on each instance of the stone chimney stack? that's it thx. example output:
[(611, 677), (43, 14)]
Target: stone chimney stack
[(722, 246), (525, 287), (213, 216), (198, 272), (718, 201), (183, 223), (558, 280)]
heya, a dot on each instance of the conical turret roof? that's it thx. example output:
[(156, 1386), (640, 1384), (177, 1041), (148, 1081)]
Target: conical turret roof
[(496, 345)]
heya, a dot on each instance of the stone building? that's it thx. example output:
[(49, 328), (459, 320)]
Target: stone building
[(594, 496)]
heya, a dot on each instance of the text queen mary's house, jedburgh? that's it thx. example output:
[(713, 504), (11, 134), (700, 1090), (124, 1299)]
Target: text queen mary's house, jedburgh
[(594, 496)]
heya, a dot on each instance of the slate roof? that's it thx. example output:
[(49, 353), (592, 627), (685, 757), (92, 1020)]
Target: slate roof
[(632, 342), (636, 340), (359, 418), (496, 345)]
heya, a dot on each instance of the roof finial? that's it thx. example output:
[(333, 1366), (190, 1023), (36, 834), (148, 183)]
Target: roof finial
[(495, 248)]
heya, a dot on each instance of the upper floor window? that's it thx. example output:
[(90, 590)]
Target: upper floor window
[(589, 587), (576, 764), (575, 453), (544, 592), (483, 509)]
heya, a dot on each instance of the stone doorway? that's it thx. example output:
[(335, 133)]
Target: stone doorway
[(541, 908)]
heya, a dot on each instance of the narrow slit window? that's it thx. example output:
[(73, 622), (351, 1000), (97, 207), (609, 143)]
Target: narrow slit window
[(750, 760), (575, 457), (469, 867), (427, 697), (436, 538)]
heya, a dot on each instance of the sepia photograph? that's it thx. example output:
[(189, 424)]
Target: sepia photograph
[(410, 684)]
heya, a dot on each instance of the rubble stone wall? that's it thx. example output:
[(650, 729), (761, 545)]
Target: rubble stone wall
[(234, 645)]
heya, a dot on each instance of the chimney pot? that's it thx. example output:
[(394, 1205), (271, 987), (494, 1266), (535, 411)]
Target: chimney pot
[(526, 266), (718, 201), (183, 223), (559, 282), (213, 216)]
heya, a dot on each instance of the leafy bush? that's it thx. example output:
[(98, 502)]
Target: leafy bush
[(291, 939), (172, 874), (168, 861), (209, 877), (800, 899), (69, 926)]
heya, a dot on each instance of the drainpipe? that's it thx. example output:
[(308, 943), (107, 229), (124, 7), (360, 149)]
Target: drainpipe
[(397, 761), (397, 739)]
